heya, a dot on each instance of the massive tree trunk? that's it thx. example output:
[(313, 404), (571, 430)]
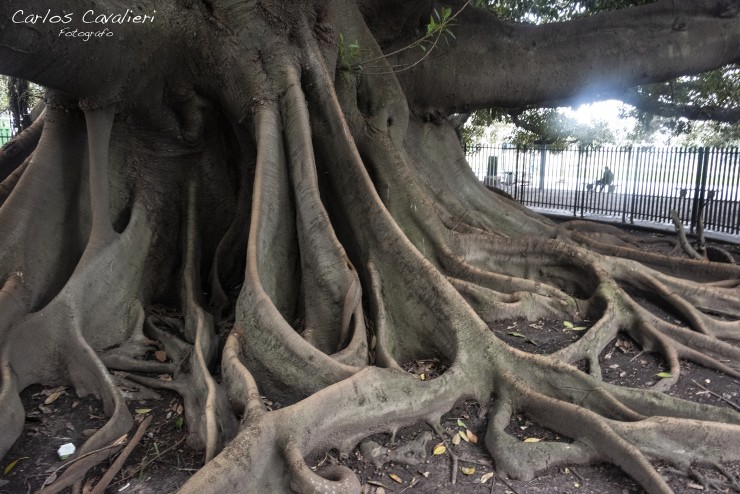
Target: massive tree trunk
[(230, 158)]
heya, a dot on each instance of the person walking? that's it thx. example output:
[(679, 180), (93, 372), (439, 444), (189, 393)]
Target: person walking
[(606, 179)]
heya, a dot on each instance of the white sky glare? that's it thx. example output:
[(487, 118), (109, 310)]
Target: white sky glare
[(607, 111)]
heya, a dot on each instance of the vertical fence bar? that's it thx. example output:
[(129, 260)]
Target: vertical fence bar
[(724, 188), (633, 185), (516, 172), (637, 178), (644, 167), (735, 217), (579, 167), (660, 173), (712, 190), (543, 167), (658, 203), (688, 162), (720, 187), (734, 213), (626, 184), (613, 156), (699, 186), (672, 189)]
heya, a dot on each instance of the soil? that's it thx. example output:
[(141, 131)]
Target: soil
[(161, 461)]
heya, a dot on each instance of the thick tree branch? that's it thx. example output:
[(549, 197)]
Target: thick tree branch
[(492, 63), (652, 105), (692, 112), (645, 103)]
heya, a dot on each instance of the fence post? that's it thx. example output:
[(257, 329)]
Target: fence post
[(634, 186), (543, 163), (578, 181), (699, 186), (626, 185), (516, 174)]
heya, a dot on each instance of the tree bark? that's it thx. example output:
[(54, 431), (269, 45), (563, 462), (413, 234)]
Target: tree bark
[(314, 231), (494, 63)]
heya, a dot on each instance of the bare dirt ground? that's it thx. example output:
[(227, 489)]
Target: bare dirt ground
[(161, 461)]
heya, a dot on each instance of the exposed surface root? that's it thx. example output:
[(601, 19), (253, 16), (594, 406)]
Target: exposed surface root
[(358, 240)]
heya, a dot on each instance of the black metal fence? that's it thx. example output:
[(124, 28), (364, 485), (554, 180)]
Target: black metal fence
[(647, 182)]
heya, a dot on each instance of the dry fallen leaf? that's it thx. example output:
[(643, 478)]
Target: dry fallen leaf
[(142, 411), (471, 437), (456, 439), (54, 397), (486, 477), (160, 355), (467, 470), (532, 440), (396, 478), (439, 449), (13, 463), (463, 436)]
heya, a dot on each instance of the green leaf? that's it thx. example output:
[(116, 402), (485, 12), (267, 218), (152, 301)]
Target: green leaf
[(569, 326), (664, 375), (179, 422), (13, 463), (518, 335), (460, 423)]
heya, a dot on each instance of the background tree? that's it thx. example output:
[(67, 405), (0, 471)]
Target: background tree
[(3, 94), (19, 103), (538, 126), (233, 160)]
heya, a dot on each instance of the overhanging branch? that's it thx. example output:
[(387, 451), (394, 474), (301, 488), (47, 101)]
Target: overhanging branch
[(673, 110), (493, 63)]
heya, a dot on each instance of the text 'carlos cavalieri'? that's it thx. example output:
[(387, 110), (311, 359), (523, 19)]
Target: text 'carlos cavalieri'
[(89, 17)]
